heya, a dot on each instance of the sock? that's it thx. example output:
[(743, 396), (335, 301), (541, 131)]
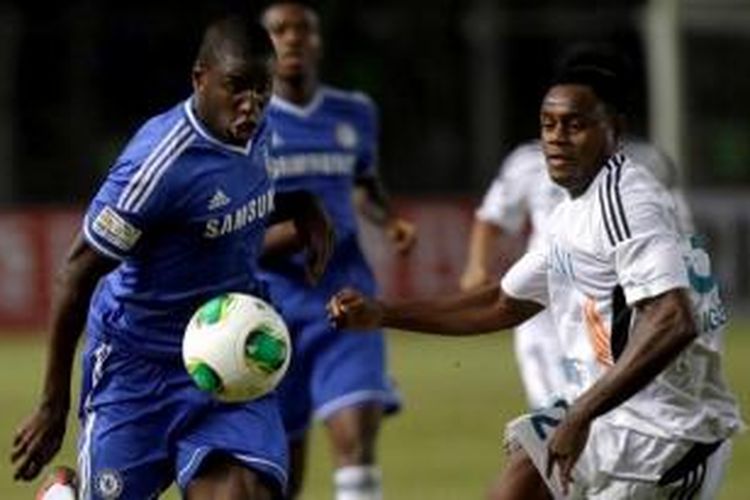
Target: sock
[(59, 492), (358, 482)]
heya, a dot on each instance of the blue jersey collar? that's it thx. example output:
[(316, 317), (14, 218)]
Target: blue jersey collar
[(301, 111), (198, 126)]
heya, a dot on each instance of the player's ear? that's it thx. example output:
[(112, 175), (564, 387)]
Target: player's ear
[(198, 75)]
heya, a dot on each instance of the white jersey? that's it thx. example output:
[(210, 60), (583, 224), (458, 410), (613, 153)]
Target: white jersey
[(614, 245), (523, 188)]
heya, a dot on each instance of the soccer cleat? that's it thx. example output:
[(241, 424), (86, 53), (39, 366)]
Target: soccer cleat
[(60, 484)]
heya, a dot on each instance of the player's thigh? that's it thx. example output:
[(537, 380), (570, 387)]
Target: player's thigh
[(222, 476), (519, 479), (248, 435), (124, 440), (126, 462)]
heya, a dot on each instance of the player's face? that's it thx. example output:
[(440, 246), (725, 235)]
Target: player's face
[(231, 95), (578, 135), (295, 35)]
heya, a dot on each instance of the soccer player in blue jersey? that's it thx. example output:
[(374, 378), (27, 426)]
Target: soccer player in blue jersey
[(324, 140), (180, 218)]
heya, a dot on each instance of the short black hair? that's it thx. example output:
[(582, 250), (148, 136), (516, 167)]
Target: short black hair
[(603, 82), (309, 4), (239, 33), (607, 57)]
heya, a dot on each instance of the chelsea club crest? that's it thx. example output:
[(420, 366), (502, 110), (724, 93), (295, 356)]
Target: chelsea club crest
[(346, 135)]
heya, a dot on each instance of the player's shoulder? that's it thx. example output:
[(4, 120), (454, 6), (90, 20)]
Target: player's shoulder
[(347, 99), (634, 176), (654, 159), (524, 159), (630, 199), (160, 139)]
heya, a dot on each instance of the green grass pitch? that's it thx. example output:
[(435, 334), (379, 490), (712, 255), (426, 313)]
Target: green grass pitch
[(444, 446)]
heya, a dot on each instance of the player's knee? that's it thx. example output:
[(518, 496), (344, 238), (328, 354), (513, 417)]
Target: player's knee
[(354, 433)]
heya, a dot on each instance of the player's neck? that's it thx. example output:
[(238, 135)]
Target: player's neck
[(299, 92)]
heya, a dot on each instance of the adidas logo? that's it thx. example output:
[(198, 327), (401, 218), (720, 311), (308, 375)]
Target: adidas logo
[(218, 200)]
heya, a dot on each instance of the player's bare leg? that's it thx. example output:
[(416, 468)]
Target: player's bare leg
[(223, 477), (297, 465), (519, 479), (353, 432)]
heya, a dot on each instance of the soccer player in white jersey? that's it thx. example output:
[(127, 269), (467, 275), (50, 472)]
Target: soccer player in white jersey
[(523, 191), (325, 140), (636, 310)]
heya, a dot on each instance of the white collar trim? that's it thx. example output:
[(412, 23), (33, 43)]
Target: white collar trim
[(301, 111), (188, 105)]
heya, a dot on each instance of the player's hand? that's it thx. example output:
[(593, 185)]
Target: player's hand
[(473, 277), (566, 445), (318, 237), (351, 309), (37, 440), (402, 233)]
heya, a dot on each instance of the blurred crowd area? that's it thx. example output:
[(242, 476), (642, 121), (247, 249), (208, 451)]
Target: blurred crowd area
[(458, 84)]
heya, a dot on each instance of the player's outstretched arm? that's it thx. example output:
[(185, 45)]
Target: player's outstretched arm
[(482, 311), (312, 230), (664, 328), (372, 201), (484, 235), (40, 436)]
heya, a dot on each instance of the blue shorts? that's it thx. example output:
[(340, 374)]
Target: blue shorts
[(330, 369), (144, 424)]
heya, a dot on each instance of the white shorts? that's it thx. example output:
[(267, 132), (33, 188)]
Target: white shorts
[(621, 463)]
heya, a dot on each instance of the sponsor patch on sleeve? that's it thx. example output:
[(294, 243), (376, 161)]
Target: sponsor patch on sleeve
[(115, 230)]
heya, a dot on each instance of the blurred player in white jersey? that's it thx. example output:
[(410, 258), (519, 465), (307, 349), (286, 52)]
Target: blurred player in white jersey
[(636, 310), (522, 191)]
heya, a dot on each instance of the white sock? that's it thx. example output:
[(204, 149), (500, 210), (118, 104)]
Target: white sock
[(358, 482), (59, 492)]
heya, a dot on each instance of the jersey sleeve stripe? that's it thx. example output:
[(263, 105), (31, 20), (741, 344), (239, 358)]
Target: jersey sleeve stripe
[(618, 200), (145, 170), (159, 172), (605, 217), (611, 207), (610, 201)]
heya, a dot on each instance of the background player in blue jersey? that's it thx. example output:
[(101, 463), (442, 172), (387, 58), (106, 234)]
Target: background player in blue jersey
[(324, 140), (179, 219)]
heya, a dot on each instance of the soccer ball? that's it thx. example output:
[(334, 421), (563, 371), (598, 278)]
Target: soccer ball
[(236, 347)]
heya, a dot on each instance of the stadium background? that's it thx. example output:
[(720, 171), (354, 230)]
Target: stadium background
[(458, 84)]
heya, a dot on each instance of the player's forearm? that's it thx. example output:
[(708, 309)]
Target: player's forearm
[(483, 237), (74, 287), (281, 240), (665, 327), (373, 202), (70, 306), (477, 313)]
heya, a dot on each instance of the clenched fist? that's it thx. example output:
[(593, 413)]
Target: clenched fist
[(351, 309)]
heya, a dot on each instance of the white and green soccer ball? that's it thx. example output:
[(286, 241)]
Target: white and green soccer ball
[(236, 347)]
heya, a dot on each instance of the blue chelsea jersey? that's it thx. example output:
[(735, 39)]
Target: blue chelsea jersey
[(322, 148), (185, 214)]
